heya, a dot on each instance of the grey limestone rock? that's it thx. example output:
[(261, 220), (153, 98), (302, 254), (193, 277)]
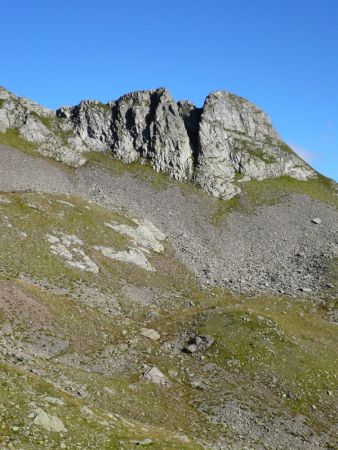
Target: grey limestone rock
[(237, 140), (156, 376), (48, 421), (220, 146), (39, 126), (147, 125)]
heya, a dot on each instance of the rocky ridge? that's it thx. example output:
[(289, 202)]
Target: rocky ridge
[(226, 142)]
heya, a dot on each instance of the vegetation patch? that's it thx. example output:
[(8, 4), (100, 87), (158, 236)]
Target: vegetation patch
[(272, 190), (12, 138)]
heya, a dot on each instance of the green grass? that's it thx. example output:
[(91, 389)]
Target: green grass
[(88, 224), (100, 105), (12, 138), (272, 191), (257, 339), (18, 389), (51, 217)]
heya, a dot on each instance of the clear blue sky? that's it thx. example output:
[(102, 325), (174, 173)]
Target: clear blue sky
[(280, 54)]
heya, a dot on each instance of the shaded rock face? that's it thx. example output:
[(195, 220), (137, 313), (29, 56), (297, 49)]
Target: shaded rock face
[(226, 142)]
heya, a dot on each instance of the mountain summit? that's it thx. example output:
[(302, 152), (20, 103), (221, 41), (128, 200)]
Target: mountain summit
[(219, 146)]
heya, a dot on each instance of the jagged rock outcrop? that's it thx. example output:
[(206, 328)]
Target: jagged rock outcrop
[(142, 126), (39, 126), (237, 139), (226, 142)]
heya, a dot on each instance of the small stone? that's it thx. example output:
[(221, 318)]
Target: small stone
[(329, 393), (305, 289), (156, 376), (4, 201), (109, 391), (316, 220), (31, 205), (150, 334), (198, 343), (173, 373), (191, 348), (144, 442), (55, 401), (86, 411), (63, 202)]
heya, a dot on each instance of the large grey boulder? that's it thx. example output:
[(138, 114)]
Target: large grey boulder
[(48, 421)]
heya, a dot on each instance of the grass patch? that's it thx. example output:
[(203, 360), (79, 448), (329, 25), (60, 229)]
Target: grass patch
[(290, 342), (18, 389), (32, 257), (100, 105), (12, 138), (273, 190)]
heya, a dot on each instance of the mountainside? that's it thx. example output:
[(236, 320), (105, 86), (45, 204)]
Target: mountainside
[(227, 141), (136, 309)]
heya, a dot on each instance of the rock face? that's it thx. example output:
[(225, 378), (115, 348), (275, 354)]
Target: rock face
[(40, 127), (237, 140), (226, 142)]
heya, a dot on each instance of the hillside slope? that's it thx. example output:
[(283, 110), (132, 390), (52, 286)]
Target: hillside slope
[(138, 310)]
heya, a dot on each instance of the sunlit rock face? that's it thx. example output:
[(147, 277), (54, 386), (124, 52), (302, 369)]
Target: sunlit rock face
[(219, 146), (236, 143)]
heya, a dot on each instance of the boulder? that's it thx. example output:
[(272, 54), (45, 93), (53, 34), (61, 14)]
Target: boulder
[(150, 334), (156, 376), (49, 422)]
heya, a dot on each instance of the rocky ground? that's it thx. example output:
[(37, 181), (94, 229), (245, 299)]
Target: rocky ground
[(139, 311), (265, 242)]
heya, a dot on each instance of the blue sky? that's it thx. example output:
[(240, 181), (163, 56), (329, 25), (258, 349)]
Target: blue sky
[(280, 54)]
